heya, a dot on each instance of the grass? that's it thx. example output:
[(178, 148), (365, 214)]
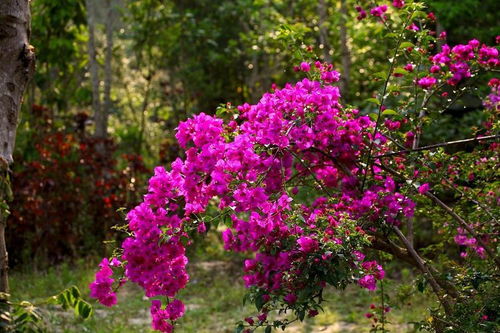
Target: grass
[(213, 299)]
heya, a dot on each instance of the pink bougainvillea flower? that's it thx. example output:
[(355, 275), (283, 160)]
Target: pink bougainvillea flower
[(422, 189), (368, 282), (409, 67), (290, 298), (398, 3), (305, 67), (413, 27), (427, 82), (378, 11), (175, 309), (361, 13), (101, 288), (307, 244)]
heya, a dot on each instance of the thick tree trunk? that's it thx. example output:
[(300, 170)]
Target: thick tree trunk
[(344, 49), (17, 61), (16, 68)]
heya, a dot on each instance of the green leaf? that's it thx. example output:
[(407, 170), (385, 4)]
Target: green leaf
[(389, 112), (221, 109), (23, 317), (421, 285), (381, 75), (301, 314), (419, 14), (373, 116), (75, 292), (373, 100), (405, 45), (83, 309), (71, 298), (259, 302), (268, 329), (239, 328), (62, 301), (400, 70)]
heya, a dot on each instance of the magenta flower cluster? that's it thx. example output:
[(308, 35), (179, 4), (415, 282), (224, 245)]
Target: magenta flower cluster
[(162, 317), (469, 242), (458, 61), (257, 168), (102, 287), (374, 272), (298, 132)]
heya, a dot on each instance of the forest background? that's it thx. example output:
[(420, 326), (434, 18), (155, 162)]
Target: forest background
[(115, 77)]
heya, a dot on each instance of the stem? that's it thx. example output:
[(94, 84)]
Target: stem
[(323, 31), (5, 197), (344, 47), (337, 163), (438, 145), (465, 225), (312, 174), (382, 300), (389, 247), (450, 211), (108, 70), (4, 257), (143, 113), (420, 262), (448, 183), (382, 100), (93, 70), (480, 205)]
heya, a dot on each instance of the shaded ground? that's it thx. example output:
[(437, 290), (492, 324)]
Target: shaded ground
[(213, 300)]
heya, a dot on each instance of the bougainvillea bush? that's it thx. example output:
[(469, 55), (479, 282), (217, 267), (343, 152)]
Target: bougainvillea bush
[(313, 190)]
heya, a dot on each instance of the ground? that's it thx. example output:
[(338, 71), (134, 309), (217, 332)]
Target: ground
[(213, 300)]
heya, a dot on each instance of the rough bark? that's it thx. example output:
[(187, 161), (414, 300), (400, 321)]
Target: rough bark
[(344, 50), (17, 60), (94, 70), (16, 68)]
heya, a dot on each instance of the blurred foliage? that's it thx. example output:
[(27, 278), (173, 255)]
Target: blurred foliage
[(66, 193), (59, 36), (458, 20), (26, 317), (173, 58)]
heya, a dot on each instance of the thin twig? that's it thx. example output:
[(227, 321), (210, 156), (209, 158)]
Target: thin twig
[(485, 209), (465, 225), (334, 161), (464, 194), (312, 174), (438, 145), (450, 212), (382, 100)]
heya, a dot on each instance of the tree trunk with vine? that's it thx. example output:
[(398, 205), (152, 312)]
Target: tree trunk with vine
[(17, 60)]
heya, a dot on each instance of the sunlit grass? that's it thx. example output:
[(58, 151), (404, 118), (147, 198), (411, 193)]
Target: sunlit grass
[(213, 299)]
